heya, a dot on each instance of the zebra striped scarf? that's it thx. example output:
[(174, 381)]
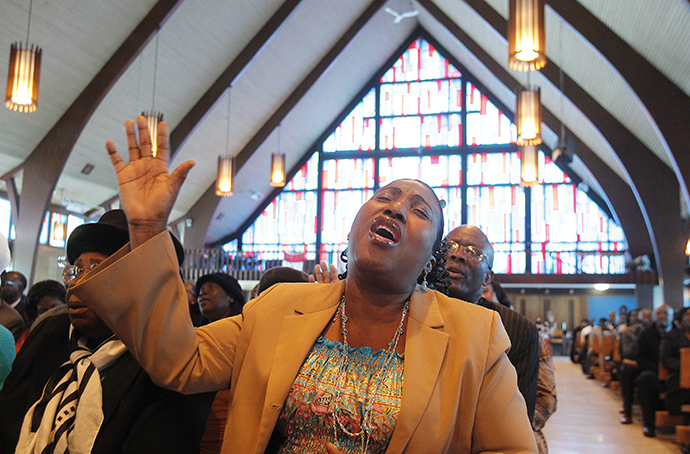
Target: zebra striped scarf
[(69, 414)]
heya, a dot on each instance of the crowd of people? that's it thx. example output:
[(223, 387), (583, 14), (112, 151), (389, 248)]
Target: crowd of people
[(139, 361), (647, 360)]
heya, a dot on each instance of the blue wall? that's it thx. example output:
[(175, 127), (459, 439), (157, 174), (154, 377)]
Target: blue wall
[(600, 306)]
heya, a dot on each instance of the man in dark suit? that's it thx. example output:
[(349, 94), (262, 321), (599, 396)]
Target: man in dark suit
[(469, 262), (12, 293), (74, 386)]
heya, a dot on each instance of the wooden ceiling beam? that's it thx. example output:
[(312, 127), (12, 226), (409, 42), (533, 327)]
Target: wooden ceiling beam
[(649, 176), (44, 165), (198, 236)]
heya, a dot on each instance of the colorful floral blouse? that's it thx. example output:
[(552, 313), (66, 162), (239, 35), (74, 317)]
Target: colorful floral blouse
[(306, 418)]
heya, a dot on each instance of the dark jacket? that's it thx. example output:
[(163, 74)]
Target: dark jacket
[(647, 348), (139, 417), (524, 350), (671, 344)]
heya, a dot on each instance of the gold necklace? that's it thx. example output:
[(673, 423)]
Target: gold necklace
[(366, 428)]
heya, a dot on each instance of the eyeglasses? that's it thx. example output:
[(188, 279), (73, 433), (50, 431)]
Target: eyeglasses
[(471, 253), (71, 272)]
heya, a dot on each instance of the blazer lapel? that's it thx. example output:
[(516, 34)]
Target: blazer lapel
[(425, 348), (298, 333)]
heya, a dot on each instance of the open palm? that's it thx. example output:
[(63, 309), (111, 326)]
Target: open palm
[(147, 190)]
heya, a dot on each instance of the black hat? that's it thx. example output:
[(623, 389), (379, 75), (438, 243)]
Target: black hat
[(106, 237), (281, 274), (228, 283)]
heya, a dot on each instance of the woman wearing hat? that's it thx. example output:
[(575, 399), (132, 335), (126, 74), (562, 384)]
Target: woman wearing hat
[(220, 296)]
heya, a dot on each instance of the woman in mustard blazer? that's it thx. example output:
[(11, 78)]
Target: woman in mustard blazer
[(374, 363)]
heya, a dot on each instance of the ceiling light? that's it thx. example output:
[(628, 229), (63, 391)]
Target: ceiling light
[(23, 75), (528, 117), (526, 37), (529, 165)]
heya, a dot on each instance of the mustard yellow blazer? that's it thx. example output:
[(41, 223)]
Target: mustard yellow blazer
[(460, 391)]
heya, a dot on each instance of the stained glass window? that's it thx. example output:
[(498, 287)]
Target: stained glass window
[(410, 125), (5, 217), (486, 124)]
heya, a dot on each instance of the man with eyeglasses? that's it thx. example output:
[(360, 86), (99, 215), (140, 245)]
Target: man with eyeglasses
[(74, 386), (469, 262)]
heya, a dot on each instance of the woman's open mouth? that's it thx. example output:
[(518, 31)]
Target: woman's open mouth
[(384, 230)]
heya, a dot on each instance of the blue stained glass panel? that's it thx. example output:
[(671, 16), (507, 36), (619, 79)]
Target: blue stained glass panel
[(357, 131), (436, 171), (339, 210), (348, 173), (493, 168), (486, 124), (306, 178), (5, 217), (421, 61)]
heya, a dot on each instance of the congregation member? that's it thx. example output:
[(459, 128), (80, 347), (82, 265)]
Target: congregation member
[(279, 274), (671, 345), (469, 262), (7, 349), (629, 369), (12, 293), (9, 317), (219, 295), (42, 297), (74, 386), (319, 368), (647, 357), (195, 314)]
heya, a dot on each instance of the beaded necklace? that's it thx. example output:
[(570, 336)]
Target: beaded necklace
[(366, 427)]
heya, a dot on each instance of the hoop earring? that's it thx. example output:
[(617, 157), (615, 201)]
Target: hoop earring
[(425, 284)]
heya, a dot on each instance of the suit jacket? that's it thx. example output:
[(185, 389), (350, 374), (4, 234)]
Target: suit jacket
[(524, 350), (647, 348), (11, 319), (139, 417), (459, 386), (21, 308)]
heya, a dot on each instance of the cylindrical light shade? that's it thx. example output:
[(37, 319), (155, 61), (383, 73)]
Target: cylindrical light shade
[(529, 165), (526, 51), (278, 170), (225, 183), (528, 117), (23, 77), (152, 120)]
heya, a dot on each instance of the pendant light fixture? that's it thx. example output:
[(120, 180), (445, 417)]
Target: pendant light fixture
[(529, 165), (528, 113), (526, 36), (23, 75), (153, 118), (278, 166), (225, 182)]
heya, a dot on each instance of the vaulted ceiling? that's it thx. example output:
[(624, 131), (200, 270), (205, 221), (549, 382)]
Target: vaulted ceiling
[(616, 77)]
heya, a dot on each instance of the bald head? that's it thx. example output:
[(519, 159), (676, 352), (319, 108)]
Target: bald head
[(469, 262)]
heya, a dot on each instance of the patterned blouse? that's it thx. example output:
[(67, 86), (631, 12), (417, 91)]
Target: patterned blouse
[(306, 418)]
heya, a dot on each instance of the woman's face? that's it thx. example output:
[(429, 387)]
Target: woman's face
[(214, 302), (393, 234)]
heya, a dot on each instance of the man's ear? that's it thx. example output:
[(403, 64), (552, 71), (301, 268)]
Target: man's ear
[(488, 277)]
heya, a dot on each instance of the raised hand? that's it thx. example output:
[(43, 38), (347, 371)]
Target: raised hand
[(333, 449), (322, 276), (147, 190)]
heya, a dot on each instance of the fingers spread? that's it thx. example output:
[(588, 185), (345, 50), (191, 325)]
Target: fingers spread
[(114, 156), (163, 143), (132, 144), (180, 174), (144, 137)]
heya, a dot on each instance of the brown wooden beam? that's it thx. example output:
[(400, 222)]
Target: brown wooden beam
[(649, 176), (668, 105), (44, 165), (190, 121), (291, 101), (196, 114), (617, 190)]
